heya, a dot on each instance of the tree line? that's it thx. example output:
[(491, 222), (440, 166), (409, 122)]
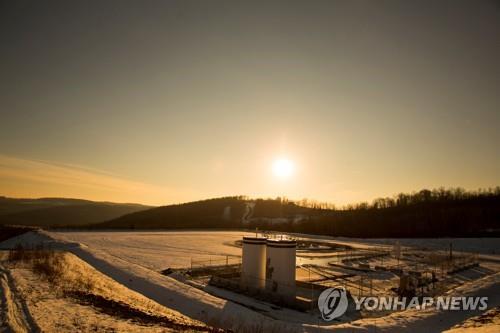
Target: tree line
[(439, 212)]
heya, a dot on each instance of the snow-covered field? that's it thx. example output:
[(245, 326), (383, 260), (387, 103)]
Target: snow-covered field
[(473, 245), (134, 259), (160, 250), (176, 249)]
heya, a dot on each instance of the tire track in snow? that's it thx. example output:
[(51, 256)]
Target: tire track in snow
[(15, 316)]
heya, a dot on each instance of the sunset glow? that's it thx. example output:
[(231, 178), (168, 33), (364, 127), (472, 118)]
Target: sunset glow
[(283, 168), (336, 101)]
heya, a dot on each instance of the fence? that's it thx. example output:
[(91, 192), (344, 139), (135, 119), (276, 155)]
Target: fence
[(214, 261), (300, 296)]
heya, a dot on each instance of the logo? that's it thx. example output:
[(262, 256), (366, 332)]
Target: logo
[(332, 303), (445, 303)]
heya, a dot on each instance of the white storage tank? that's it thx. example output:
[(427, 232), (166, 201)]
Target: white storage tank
[(253, 265), (280, 270)]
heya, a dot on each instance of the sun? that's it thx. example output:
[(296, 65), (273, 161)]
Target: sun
[(283, 168)]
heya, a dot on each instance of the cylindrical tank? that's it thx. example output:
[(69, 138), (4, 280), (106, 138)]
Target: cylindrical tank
[(253, 265), (280, 270)]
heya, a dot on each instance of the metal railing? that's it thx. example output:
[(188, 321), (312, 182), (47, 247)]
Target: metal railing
[(214, 261)]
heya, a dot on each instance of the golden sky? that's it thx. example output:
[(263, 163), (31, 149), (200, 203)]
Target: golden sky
[(173, 101)]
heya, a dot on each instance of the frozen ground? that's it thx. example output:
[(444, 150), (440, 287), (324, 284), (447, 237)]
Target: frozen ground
[(133, 259), (164, 290), (472, 245), (160, 250), (33, 304), (488, 322)]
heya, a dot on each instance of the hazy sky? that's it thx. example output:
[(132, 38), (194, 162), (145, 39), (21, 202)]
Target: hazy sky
[(168, 101)]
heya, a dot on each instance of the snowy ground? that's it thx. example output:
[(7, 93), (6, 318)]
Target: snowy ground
[(488, 322), (160, 250), (473, 245), (33, 304), (133, 259)]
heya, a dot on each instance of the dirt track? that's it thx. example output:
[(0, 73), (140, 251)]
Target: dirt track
[(15, 316)]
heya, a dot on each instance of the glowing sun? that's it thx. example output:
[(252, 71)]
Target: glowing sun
[(283, 168)]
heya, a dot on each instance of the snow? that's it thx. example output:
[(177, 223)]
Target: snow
[(160, 250), (473, 245), (134, 260), (49, 311), (14, 315), (164, 290), (488, 322), (430, 319)]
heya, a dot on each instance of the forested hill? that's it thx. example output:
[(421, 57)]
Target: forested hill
[(436, 213), (225, 212), (212, 213)]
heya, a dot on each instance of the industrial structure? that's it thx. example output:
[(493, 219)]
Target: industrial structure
[(253, 264), (268, 265), (293, 273), (280, 267)]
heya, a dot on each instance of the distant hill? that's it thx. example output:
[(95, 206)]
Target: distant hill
[(212, 213), (427, 213), (225, 212), (14, 205), (61, 211)]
